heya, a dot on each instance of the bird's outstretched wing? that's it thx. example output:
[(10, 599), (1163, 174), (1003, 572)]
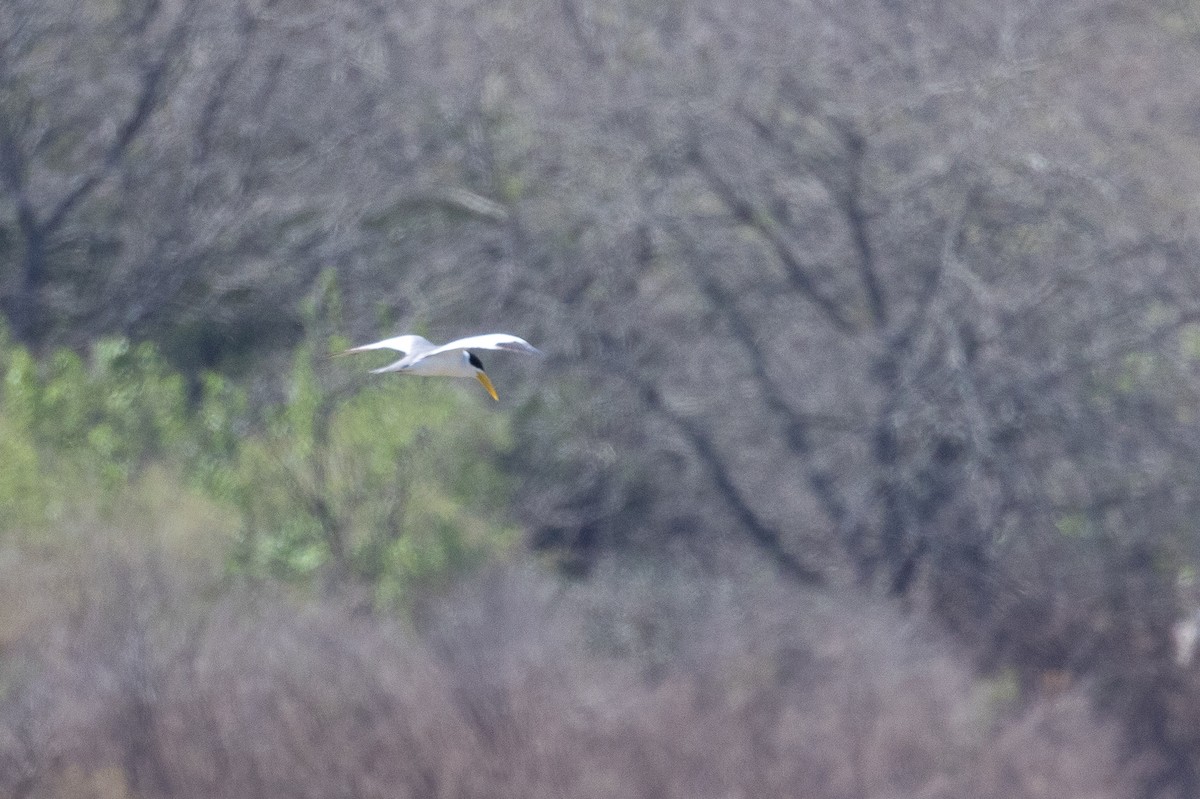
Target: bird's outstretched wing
[(408, 345), (487, 341)]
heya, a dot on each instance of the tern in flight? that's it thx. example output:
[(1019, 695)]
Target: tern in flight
[(454, 359)]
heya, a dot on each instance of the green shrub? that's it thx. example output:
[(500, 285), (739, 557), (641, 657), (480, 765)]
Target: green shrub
[(380, 481), (386, 484), (76, 431)]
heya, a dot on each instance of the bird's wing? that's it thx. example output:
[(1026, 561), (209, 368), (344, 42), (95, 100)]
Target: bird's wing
[(409, 345), (395, 366), (487, 341)]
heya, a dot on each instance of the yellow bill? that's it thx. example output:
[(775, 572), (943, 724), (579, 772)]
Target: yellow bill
[(488, 385)]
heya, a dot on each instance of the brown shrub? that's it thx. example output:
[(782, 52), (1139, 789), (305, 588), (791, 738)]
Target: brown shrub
[(647, 682)]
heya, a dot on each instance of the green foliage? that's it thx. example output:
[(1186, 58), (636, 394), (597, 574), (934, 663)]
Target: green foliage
[(77, 429), (381, 481), (390, 484), (23, 490)]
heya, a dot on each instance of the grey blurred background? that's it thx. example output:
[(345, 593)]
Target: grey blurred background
[(891, 298)]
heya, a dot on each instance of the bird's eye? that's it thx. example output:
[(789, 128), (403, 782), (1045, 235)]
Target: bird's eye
[(473, 359)]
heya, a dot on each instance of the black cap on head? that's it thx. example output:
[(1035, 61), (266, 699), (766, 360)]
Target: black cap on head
[(473, 359)]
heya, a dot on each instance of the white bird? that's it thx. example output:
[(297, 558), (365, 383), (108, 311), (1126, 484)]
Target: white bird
[(454, 359)]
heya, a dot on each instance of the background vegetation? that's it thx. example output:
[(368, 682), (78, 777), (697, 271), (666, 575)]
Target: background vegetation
[(873, 340)]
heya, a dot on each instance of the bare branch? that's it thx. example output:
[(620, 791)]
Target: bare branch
[(768, 539), (797, 271)]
